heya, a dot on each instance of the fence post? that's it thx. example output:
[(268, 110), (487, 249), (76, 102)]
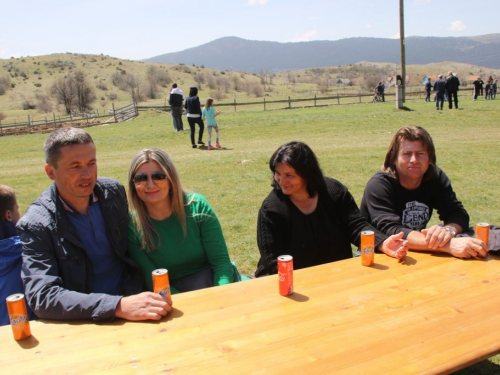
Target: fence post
[(338, 98), (289, 103), (1, 129), (235, 104), (29, 124), (114, 112), (86, 114), (315, 100), (264, 104), (54, 115), (360, 96)]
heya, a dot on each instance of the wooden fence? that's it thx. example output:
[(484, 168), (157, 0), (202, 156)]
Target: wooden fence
[(77, 120), (316, 101)]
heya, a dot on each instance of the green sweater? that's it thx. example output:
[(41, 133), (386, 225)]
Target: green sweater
[(203, 247)]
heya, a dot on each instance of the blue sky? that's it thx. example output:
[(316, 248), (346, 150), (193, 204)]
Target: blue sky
[(141, 29)]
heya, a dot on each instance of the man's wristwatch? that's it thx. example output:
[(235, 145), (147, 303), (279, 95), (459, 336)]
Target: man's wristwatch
[(451, 230)]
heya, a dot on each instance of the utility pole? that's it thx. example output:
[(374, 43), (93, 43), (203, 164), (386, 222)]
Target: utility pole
[(402, 44)]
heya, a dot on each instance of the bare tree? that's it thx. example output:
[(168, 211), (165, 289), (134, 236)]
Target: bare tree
[(4, 84), (224, 83), (85, 94), (199, 79), (43, 103), (236, 82), (64, 91), (211, 82), (134, 87)]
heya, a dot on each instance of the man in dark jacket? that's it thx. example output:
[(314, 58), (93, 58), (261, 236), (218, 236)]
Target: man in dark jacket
[(439, 88), (478, 87), (452, 85), (175, 100), (75, 241), (428, 88)]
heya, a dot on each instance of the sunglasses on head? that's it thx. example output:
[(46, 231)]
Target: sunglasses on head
[(143, 177)]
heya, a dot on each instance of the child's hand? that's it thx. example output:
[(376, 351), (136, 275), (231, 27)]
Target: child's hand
[(217, 112)]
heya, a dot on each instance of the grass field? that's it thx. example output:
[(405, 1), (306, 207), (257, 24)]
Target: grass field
[(349, 140)]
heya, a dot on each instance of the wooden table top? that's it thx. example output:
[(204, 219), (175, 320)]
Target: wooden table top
[(428, 315)]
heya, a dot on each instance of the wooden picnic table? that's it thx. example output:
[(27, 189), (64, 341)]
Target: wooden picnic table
[(429, 315)]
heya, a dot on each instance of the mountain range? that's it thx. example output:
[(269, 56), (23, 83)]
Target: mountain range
[(233, 53)]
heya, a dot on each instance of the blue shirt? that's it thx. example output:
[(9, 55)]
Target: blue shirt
[(108, 268)]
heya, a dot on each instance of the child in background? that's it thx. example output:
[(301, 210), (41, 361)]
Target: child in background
[(209, 113)]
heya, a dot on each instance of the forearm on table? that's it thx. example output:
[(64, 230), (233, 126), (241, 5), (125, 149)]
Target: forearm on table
[(416, 242)]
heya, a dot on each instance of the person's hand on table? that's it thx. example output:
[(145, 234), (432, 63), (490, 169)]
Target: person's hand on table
[(436, 236), (394, 246), (467, 247), (143, 306)]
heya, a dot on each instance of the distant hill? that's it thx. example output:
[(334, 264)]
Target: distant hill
[(232, 53)]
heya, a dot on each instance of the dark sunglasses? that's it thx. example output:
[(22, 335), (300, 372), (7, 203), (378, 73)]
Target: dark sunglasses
[(143, 177)]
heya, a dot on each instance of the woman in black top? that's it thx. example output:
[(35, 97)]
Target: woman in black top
[(193, 109), (311, 217)]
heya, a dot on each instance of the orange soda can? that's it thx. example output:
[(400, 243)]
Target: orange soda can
[(367, 247), (483, 232), (18, 315), (161, 283), (285, 274)]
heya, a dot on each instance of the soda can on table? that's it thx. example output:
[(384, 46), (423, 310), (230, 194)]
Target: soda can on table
[(161, 282), (483, 232), (285, 274), (18, 316), (367, 247)]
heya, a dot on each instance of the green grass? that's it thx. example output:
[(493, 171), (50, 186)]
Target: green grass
[(349, 140)]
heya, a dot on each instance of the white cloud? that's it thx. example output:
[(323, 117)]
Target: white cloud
[(418, 2), (368, 26), (457, 26), (255, 2), (306, 37), (395, 36)]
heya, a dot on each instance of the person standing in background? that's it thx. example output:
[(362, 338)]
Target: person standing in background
[(452, 85), (428, 88), (439, 88), (193, 108), (175, 100)]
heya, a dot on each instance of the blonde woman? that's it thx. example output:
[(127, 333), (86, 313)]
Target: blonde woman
[(172, 228)]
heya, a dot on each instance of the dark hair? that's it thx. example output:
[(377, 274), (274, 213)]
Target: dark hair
[(193, 91), (7, 200), (412, 134), (174, 85), (63, 137), (301, 158), (209, 103)]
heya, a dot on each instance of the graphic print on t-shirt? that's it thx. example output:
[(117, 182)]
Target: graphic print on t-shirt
[(416, 215)]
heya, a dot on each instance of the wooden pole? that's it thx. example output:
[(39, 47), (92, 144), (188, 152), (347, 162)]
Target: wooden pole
[(402, 44)]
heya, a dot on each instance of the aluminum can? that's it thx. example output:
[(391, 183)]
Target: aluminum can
[(367, 248), (483, 232), (18, 315), (285, 274), (161, 283)]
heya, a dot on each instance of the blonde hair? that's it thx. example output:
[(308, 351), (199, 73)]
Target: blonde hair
[(139, 215)]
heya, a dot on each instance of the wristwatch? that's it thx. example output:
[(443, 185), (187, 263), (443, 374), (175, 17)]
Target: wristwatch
[(451, 230)]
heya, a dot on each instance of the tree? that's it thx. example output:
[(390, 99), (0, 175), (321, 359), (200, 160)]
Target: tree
[(85, 94), (64, 91), (199, 79), (74, 92), (134, 87)]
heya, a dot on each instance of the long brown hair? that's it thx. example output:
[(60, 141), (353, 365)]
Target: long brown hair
[(412, 134)]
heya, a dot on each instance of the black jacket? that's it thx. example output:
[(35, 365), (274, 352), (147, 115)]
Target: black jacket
[(57, 272)]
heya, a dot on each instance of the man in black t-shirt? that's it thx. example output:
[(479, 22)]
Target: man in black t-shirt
[(403, 194)]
